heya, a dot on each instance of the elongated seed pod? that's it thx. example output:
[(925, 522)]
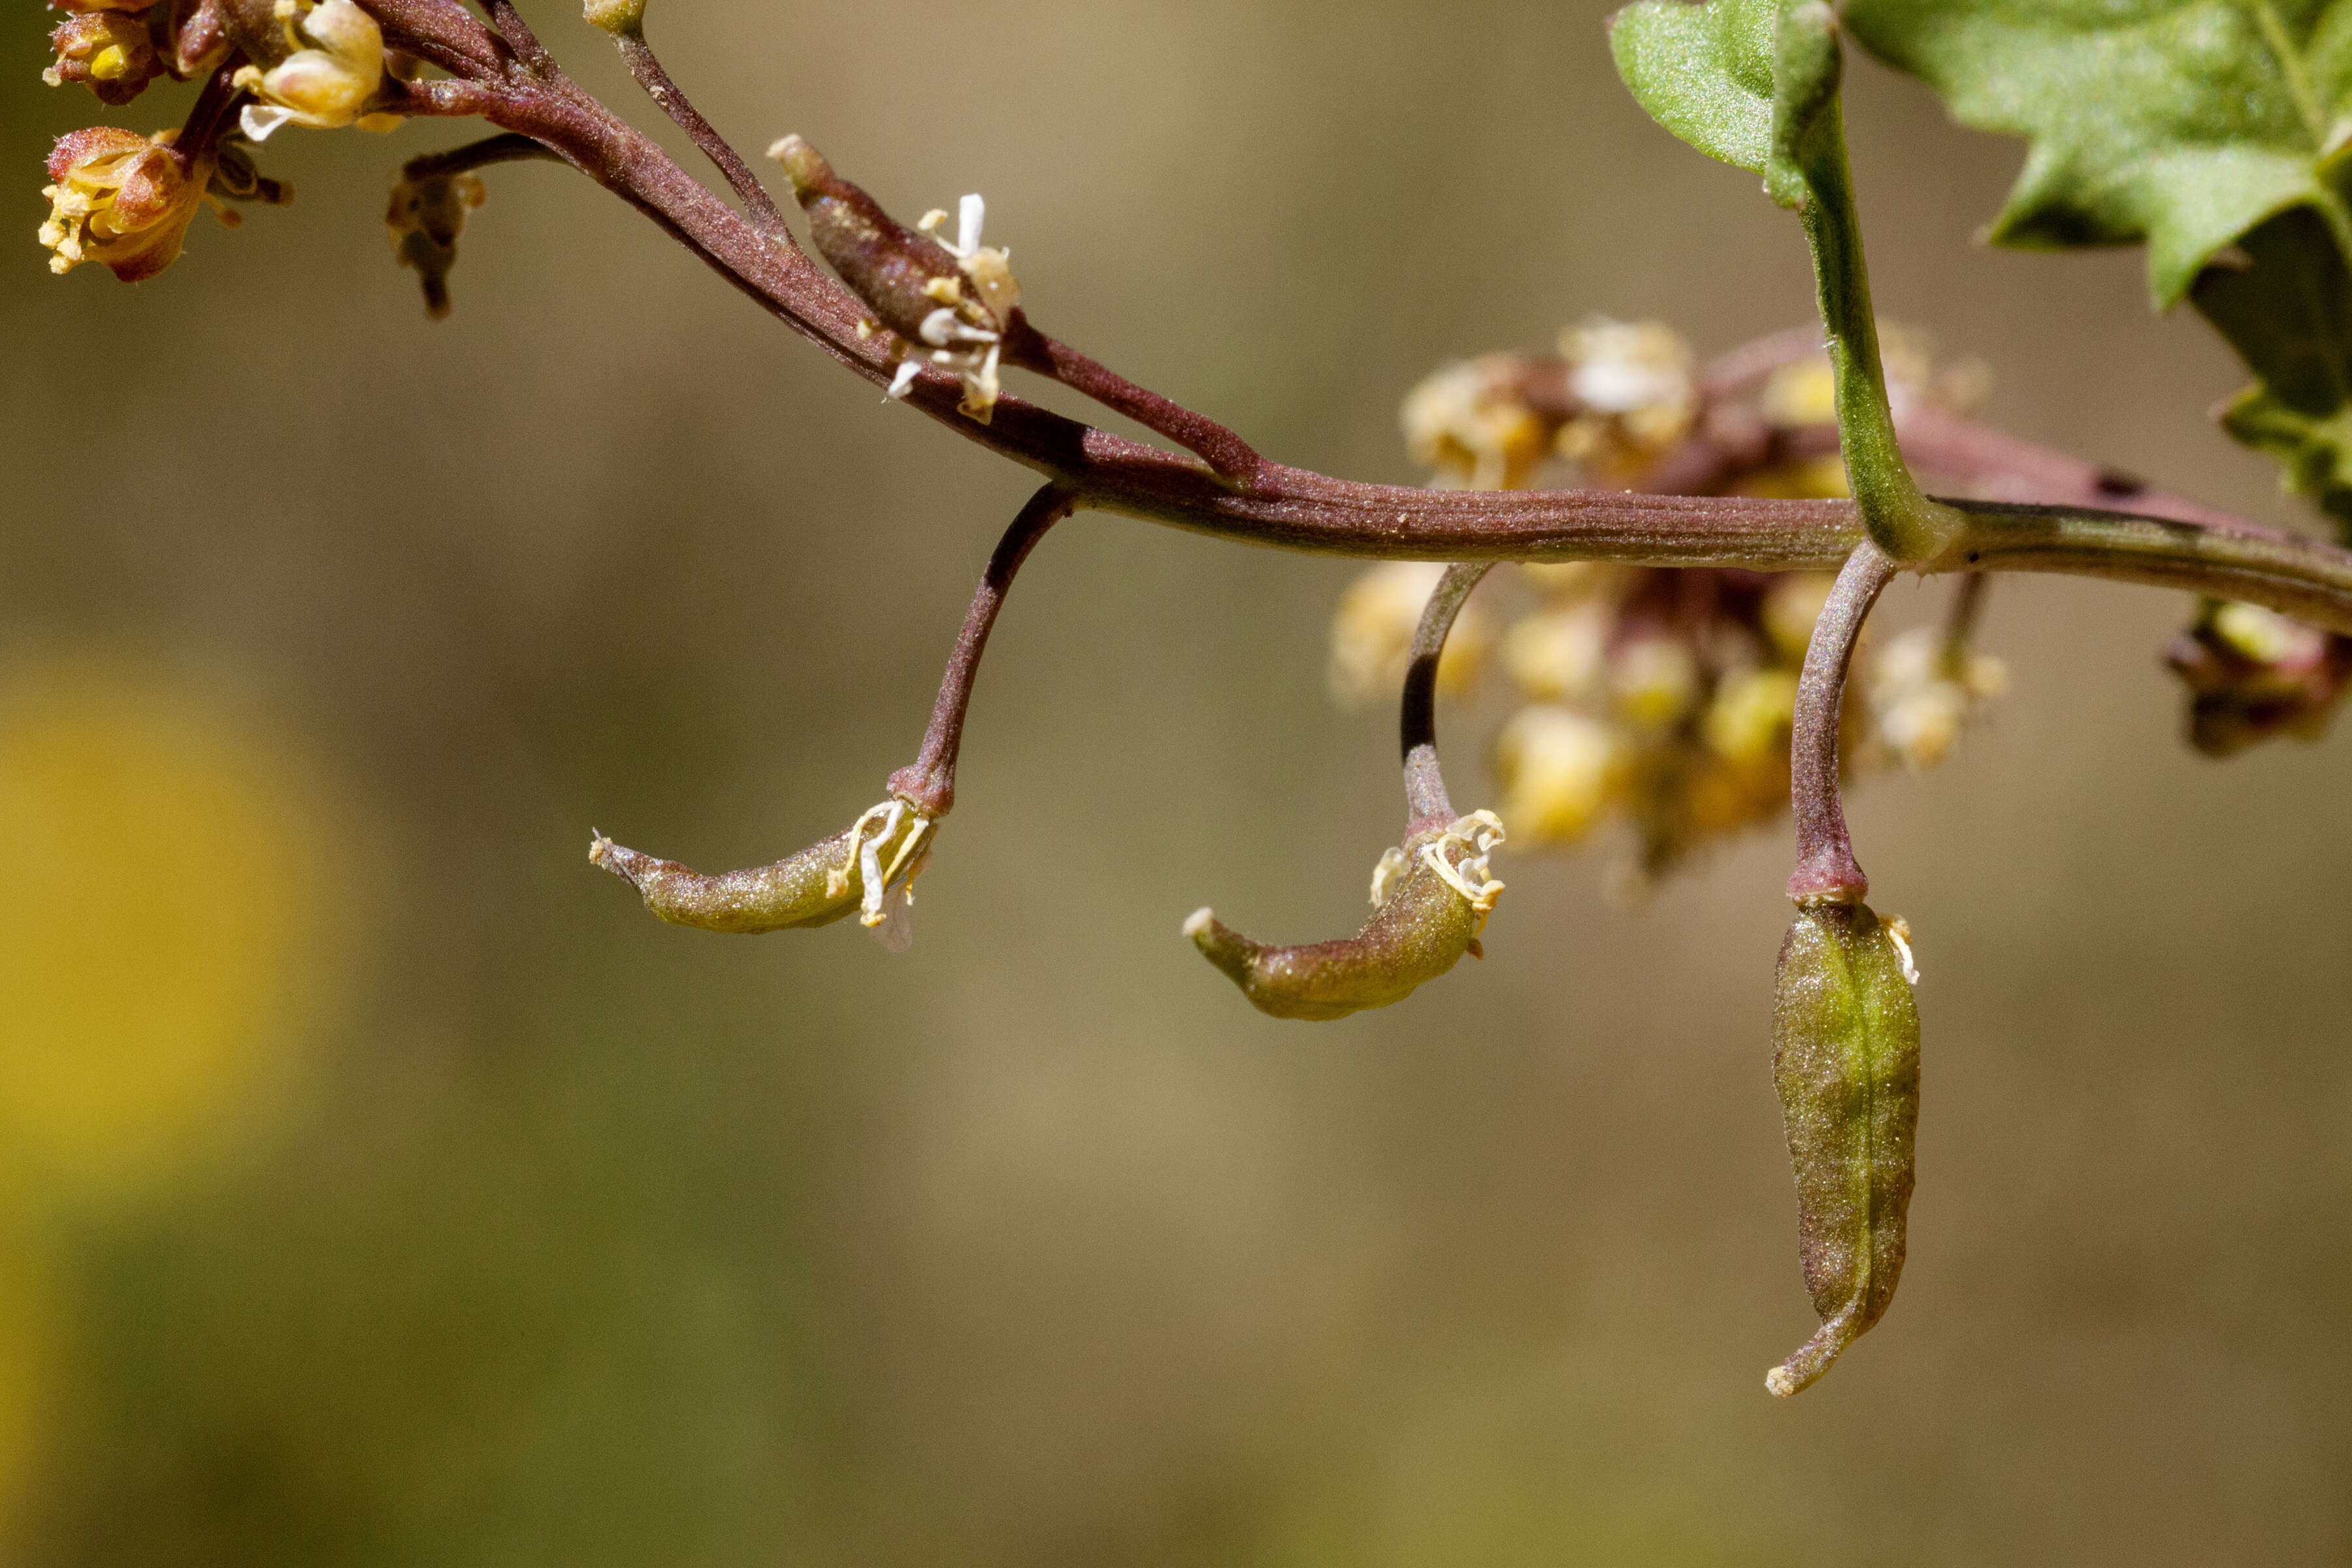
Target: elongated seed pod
[(823, 883), (904, 277), (1846, 1060), (1426, 919)]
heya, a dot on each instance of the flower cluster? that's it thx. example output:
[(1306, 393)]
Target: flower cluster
[(1661, 698), (125, 201), (2252, 674), (1616, 395)]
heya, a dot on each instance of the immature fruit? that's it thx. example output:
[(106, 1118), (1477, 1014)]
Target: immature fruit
[(1846, 1060), (1431, 899), (868, 869)]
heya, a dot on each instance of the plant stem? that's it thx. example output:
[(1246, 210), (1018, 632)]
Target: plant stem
[(928, 784), (647, 69), (1425, 801), (1222, 450), (1810, 170), (1826, 871), (504, 148), (1295, 509)]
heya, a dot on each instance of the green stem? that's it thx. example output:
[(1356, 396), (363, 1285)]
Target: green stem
[(2297, 577), (1810, 172)]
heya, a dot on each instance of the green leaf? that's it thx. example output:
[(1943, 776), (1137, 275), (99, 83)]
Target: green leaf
[(2283, 299), (2182, 122), (1704, 72)]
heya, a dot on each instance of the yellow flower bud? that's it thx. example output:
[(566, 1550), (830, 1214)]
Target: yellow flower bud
[(106, 51), (1921, 692), (1791, 607), (1748, 720), (1654, 681), (1557, 654), (1799, 394), (624, 18), (1561, 772), (1372, 635), (1633, 381), (1468, 421)]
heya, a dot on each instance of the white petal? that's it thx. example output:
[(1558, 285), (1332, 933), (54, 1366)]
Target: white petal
[(260, 119), (938, 328), (902, 383), (971, 213), (896, 932)]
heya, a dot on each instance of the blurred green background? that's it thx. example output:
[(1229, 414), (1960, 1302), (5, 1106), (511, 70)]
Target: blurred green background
[(381, 1186)]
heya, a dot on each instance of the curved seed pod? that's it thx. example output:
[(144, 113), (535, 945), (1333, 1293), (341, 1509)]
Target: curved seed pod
[(868, 869), (1845, 1058), (1433, 897)]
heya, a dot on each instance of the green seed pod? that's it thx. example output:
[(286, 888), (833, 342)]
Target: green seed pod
[(868, 869), (1433, 897), (1846, 1060)]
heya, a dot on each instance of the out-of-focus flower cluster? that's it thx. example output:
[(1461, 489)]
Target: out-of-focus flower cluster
[(1656, 698), (125, 200), (2253, 674)]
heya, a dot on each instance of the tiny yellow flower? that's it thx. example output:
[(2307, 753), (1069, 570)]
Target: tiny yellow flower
[(1468, 421), (106, 51), (1634, 381), (1654, 681), (1749, 718), (1561, 772), (1554, 654), (1921, 692), (1372, 635), (334, 64), (122, 200)]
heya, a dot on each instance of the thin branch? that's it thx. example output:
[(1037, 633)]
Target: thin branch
[(1826, 871), (443, 33), (928, 784), (214, 114), (1294, 509), (1961, 623), (647, 69), (510, 27), (504, 148), (2005, 468), (1425, 801), (1223, 451)]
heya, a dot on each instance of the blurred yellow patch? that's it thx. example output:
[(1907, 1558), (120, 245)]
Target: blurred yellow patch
[(163, 932), (29, 1326)]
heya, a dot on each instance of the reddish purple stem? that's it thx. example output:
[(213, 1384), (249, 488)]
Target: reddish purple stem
[(1426, 804), (1826, 869), (930, 782)]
